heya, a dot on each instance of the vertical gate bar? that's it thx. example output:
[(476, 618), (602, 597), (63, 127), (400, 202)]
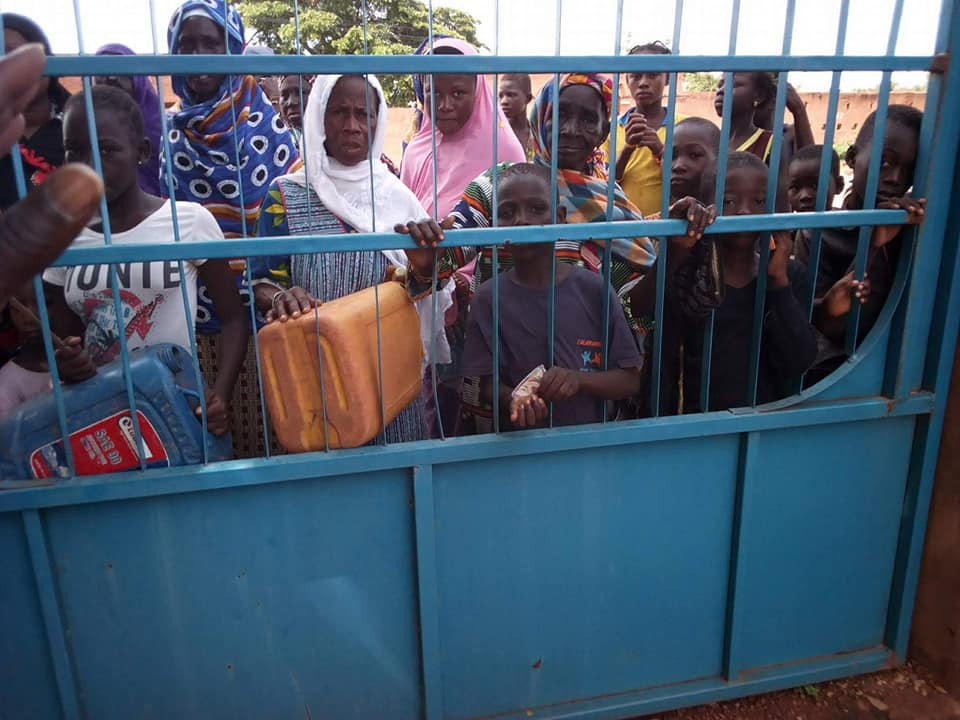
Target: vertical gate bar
[(47, 336), (937, 152), (555, 199), (52, 620), (108, 240), (383, 410), (246, 262), (495, 259), (747, 464), (303, 105), (431, 655), (436, 216), (611, 184), (873, 178), (939, 357), (45, 332), (826, 159), (773, 185), (707, 354), (376, 287), (495, 360), (315, 286), (323, 389), (664, 242), (191, 321)]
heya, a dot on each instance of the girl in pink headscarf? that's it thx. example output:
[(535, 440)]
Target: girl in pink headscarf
[(466, 113)]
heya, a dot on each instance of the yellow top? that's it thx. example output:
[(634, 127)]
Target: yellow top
[(642, 179), (747, 145)]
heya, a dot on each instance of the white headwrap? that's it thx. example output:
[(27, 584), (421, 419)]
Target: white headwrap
[(347, 192)]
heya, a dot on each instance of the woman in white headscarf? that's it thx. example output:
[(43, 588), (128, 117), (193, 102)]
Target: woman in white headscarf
[(344, 126)]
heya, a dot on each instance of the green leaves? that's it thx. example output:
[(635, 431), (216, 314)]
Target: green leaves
[(335, 27)]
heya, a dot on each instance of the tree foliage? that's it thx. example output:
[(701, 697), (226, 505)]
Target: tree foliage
[(700, 81), (335, 27)]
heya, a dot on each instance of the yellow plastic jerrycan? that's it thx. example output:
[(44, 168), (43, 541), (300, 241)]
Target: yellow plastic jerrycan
[(291, 369)]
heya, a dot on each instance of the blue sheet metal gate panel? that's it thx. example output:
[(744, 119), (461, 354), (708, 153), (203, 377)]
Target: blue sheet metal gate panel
[(600, 571)]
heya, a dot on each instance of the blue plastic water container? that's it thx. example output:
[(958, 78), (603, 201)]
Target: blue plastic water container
[(101, 427)]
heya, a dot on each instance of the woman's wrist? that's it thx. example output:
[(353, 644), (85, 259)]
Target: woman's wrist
[(265, 293)]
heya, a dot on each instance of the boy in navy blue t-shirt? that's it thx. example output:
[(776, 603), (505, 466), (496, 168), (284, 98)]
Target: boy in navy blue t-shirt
[(577, 384)]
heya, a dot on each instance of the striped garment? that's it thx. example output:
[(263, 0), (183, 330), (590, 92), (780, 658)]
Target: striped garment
[(291, 209), (585, 200), (224, 151)]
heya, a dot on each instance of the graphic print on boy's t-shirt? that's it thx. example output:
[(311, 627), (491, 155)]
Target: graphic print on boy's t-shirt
[(592, 356), (150, 304), (101, 339)]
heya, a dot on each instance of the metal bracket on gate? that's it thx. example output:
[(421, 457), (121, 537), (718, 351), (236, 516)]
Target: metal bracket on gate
[(939, 63)]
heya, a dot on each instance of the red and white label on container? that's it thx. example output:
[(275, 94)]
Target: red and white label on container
[(109, 445)]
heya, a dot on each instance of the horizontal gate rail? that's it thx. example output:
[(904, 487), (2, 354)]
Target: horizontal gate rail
[(71, 65), (251, 246), (236, 473)]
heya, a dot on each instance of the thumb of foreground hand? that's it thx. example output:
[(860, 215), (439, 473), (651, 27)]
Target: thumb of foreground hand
[(35, 231)]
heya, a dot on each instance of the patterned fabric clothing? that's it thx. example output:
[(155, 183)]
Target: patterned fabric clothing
[(292, 209), (224, 152), (585, 200), (246, 412), (204, 142)]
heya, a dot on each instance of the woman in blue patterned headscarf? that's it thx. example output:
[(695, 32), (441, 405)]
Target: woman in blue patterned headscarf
[(227, 144), (222, 116)]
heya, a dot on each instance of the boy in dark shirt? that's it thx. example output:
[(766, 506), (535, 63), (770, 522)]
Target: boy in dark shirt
[(788, 344), (577, 384), (696, 142), (802, 178), (835, 286)]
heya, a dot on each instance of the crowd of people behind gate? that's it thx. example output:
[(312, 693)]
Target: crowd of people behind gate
[(244, 156)]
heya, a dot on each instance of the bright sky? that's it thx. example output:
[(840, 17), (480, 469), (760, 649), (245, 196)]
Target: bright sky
[(528, 27)]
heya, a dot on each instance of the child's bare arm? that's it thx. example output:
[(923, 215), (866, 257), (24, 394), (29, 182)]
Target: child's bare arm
[(883, 234), (643, 297), (562, 384), (428, 234), (830, 311), (802, 130), (218, 278)]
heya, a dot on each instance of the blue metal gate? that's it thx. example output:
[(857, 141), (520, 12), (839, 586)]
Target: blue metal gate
[(596, 571)]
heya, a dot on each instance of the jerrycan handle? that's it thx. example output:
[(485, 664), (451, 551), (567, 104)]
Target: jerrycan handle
[(193, 397)]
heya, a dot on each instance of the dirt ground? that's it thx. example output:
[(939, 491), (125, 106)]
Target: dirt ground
[(907, 693)]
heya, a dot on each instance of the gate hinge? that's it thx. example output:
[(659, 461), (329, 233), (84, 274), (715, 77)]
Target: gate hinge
[(939, 62)]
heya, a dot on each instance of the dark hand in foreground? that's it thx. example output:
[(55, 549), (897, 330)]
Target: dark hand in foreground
[(74, 363)]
